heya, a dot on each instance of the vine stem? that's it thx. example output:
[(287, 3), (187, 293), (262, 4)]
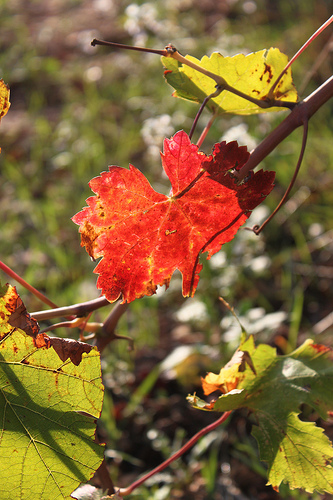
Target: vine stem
[(76, 309), (26, 285), (206, 130), (301, 113), (109, 326), (127, 491), (204, 102), (95, 41), (256, 229), (298, 53)]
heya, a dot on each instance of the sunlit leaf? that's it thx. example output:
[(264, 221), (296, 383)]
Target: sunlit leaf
[(144, 236), (48, 412), (253, 75)]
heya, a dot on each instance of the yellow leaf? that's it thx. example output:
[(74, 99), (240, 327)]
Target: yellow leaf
[(253, 75)]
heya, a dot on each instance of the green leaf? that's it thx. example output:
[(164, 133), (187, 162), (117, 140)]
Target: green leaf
[(253, 75), (48, 412), (297, 452)]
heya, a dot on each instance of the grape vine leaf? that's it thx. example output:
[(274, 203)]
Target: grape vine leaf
[(297, 452), (48, 412), (253, 75), (17, 314), (144, 236)]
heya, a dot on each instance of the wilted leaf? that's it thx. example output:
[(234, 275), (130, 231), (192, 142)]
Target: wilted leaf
[(230, 376), (297, 452), (144, 236), (65, 348), (48, 412), (13, 311), (253, 75)]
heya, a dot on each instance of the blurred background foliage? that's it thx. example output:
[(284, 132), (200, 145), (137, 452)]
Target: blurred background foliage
[(77, 109)]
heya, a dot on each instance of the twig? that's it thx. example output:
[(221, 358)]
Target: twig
[(109, 326), (127, 491), (321, 57), (221, 83), (257, 229), (26, 285), (298, 53), (76, 323), (76, 309), (95, 41), (204, 102), (206, 130)]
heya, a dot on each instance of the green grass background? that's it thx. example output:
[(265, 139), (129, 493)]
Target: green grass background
[(77, 109)]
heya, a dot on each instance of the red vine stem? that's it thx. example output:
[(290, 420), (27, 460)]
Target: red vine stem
[(206, 130), (301, 113), (26, 285), (127, 491), (298, 53), (256, 229)]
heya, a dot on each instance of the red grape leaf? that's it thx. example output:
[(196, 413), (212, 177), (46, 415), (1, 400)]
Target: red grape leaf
[(144, 236)]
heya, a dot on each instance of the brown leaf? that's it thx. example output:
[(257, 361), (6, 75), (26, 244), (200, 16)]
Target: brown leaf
[(69, 348), (20, 318)]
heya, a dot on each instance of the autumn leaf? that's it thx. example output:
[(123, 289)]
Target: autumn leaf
[(229, 376), (48, 413), (253, 75), (144, 236), (297, 452), (13, 311), (65, 348)]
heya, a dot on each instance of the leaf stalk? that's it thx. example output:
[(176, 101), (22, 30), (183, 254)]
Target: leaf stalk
[(127, 491)]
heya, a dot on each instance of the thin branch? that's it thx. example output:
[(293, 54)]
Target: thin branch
[(221, 83), (76, 323), (257, 229), (109, 326), (26, 285), (204, 102), (206, 130), (76, 309), (127, 491), (298, 53), (321, 57), (303, 111), (95, 41)]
